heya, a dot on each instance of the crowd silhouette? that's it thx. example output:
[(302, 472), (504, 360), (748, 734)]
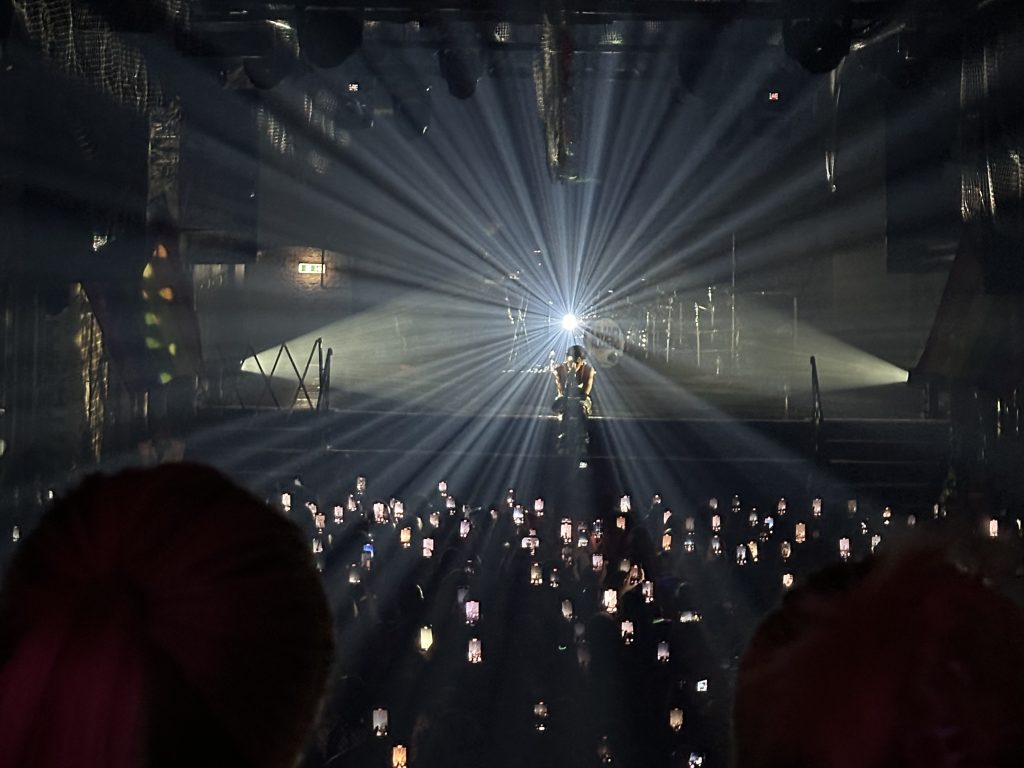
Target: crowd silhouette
[(167, 617), (529, 632)]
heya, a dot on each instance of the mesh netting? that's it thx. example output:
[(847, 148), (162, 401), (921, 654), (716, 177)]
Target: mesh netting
[(80, 43), (273, 130), (552, 77), (992, 130)]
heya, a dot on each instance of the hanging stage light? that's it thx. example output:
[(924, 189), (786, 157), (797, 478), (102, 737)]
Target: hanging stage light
[(570, 322), (460, 59), (461, 67)]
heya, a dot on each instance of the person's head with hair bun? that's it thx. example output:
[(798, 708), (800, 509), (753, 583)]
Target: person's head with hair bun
[(161, 617)]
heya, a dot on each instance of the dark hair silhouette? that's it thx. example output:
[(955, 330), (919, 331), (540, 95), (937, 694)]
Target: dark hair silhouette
[(910, 662), (161, 617)]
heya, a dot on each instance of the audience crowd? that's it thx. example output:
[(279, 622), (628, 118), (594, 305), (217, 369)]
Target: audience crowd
[(167, 617), (520, 633)]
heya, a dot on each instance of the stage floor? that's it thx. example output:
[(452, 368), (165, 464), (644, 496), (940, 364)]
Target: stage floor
[(620, 393)]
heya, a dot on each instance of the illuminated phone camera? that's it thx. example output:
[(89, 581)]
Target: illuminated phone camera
[(610, 600), (567, 610), (380, 722), (844, 548), (565, 530), (663, 654), (675, 719), (540, 715), (626, 629), (536, 575), (647, 589), (426, 638), (741, 554)]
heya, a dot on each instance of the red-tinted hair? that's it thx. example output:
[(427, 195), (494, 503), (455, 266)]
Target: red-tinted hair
[(161, 617), (909, 663)]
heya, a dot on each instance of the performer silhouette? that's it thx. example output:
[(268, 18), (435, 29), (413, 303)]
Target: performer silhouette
[(574, 382)]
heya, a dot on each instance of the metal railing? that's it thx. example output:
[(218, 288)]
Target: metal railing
[(270, 379)]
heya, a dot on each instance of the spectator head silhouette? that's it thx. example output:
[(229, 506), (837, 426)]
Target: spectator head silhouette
[(908, 662), (161, 617)]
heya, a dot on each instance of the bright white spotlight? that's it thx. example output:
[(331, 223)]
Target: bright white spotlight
[(569, 322)]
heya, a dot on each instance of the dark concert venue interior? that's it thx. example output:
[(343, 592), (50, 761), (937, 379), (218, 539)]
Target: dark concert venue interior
[(642, 376)]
